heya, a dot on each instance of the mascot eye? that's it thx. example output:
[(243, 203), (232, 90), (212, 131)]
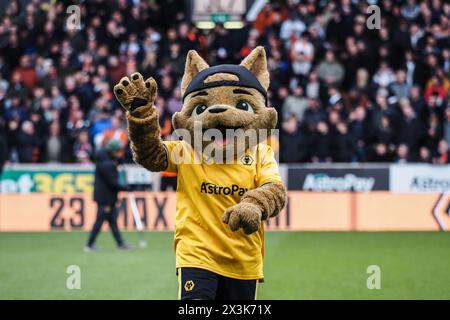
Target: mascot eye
[(244, 105), (199, 109)]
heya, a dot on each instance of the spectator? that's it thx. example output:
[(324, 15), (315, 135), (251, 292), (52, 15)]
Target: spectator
[(313, 114), (380, 153), (165, 118), (117, 69), (334, 96), (446, 60), (321, 144), (411, 130), (435, 88), (292, 27), (116, 132), (384, 133), (57, 146), (330, 71), (28, 147), (402, 154), (313, 85), (3, 148), (443, 153), (362, 82), (410, 10), (433, 131), (292, 139), (384, 75), (359, 131), (400, 88), (343, 144), (424, 155), (447, 125), (295, 105), (175, 102), (266, 18), (418, 103), (101, 123), (82, 148), (26, 72), (302, 55)]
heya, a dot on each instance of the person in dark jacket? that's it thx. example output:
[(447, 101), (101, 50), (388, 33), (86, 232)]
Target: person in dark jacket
[(321, 143), (106, 187)]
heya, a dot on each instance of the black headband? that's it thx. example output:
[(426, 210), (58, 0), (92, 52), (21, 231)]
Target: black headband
[(246, 79)]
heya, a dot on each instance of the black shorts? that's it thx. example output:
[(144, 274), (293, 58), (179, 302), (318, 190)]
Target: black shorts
[(201, 284)]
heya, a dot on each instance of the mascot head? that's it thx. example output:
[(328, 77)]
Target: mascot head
[(225, 99)]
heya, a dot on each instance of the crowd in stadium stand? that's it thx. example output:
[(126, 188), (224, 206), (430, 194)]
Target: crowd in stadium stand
[(344, 92)]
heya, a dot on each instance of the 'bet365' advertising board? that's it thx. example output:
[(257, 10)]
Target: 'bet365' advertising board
[(26, 181)]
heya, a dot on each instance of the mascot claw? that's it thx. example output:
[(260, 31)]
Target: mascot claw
[(136, 93), (243, 215)]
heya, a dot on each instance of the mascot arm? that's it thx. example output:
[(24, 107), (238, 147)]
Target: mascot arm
[(269, 198), (146, 145), (137, 98), (255, 206)]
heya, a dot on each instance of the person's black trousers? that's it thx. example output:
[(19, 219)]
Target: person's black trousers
[(108, 213)]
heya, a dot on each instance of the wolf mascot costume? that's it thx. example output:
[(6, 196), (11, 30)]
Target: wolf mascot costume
[(221, 205)]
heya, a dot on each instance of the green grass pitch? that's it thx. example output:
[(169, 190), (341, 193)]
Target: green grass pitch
[(298, 265)]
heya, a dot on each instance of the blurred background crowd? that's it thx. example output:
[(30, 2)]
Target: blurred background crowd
[(344, 92)]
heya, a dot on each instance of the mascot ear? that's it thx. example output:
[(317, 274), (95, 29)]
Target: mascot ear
[(194, 64), (257, 64), (176, 120)]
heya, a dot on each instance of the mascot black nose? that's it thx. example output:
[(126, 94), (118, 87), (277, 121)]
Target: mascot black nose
[(217, 110)]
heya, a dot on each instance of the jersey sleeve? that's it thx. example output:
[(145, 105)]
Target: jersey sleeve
[(173, 155), (269, 171)]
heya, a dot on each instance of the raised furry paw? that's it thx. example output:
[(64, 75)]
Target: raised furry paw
[(243, 215), (136, 95)]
